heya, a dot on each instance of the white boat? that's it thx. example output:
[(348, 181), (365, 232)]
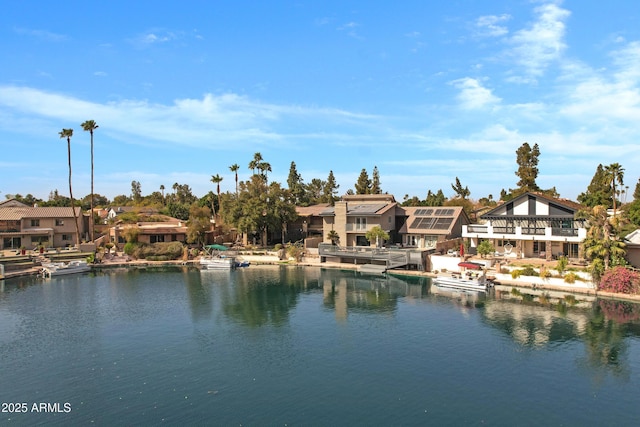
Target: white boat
[(54, 269), (478, 285), (217, 262)]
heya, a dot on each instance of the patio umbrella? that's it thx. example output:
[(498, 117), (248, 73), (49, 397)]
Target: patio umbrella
[(217, 247), (461, 249)]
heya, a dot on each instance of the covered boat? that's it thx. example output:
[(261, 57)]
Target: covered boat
[(54, 269)]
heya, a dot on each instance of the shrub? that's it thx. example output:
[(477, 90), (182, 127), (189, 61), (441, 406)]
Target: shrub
[(515, 274), (620, 280), (162, 251), (570, 299), (561, 266), (129, 248), (544, 273), (570, 277), (528, 271)]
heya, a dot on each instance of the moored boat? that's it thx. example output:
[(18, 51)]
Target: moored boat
[(478, 285), (54, 269)]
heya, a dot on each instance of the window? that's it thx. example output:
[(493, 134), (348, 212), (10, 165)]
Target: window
[(59, 222), (539, 247), (35, 223), (361, 223), (156, 238), (66, 237)]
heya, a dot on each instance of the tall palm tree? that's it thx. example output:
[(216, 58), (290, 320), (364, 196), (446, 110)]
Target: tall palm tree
[(234, 168), (68, 133), (217, 179), (254, 164), (162, 190), (615, 174), (90, 126)]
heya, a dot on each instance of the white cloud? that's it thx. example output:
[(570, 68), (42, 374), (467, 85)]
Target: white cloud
[(489, 25), (41, 34), (541, 44), (473, 95)]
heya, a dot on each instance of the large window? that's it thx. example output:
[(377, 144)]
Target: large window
[(59, 222), (156, 238), (361, 223), (35, 223)]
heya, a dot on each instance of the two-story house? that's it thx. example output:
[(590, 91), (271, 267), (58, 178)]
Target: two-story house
[(26, 226), (354, 215), (425, 227), (531, 225)]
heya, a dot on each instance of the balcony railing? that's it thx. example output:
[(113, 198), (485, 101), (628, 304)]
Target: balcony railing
[(536, 231), (569, 232), (477, 229), (359, 227), (504, 230)]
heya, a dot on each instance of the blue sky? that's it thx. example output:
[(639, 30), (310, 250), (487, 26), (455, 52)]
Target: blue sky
[(426, 91)]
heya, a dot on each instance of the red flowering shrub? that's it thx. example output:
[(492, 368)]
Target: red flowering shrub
[(620, 280)]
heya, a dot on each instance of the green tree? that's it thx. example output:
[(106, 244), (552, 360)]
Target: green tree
[(162, 191), (257, 208), (90, 126), (333, 237), (602, 242), (485, 248), (376, 234), (462, 192), (363, 185), (253, 164), (198, 224), (527, 159), (67, 134), (296, 185), (234, 168), (136, 192), (330, 189), (217, 179), (315, 191), (375, 182), (599, 190), (437, 199), (615, 174)]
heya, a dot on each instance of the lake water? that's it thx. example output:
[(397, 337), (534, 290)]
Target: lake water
[(313, 347)]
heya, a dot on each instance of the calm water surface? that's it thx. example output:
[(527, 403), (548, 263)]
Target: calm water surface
[(293, 346)]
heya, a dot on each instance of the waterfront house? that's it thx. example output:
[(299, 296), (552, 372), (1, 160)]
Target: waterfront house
[(437, 228), (531, 225), (29, 227), (172, 230), (354, 215)]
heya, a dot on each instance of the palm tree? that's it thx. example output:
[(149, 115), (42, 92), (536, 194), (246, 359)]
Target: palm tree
[(234, 168), (253, 164), (68, 133), (216, 179), (162, 190), (90, 126), (601, 241), (615, 173)]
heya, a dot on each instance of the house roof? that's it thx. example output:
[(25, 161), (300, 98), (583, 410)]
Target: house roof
[(313, 210), (633, 237), (431, 220), (564, 204), (18, 213), (12, 203)]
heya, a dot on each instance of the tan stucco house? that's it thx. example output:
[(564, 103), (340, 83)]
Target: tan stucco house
[(28, 227)]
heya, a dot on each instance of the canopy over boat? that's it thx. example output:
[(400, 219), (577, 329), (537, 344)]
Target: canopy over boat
[(217, 247), (471, 265)]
